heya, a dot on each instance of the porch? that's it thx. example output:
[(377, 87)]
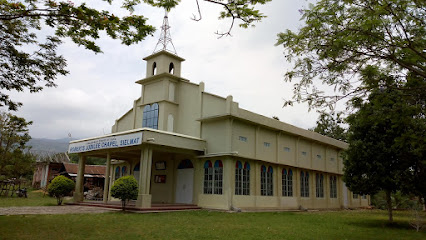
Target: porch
[(162, 163)]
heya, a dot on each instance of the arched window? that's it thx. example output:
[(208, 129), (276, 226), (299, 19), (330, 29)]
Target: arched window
[(117, 173), (150, 116), (246, 179), (319, 185), (287, 183), (213, 177), (333, 187), (208, 178), (154, 68), (304, 184), (123, 171), (266, 182), (171, 68), (186, 163), (218, 177), (238, 178), (242, 179)]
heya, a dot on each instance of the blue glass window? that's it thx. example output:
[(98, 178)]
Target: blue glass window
[(287, 183), (304, 184), (333, 187), (150, 116), (117, 173), (319, 185), (242, 179), (266, 182), (213, 177)]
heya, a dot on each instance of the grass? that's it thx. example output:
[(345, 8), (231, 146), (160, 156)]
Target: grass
[(360, 224), (205, 224), (35, 198)]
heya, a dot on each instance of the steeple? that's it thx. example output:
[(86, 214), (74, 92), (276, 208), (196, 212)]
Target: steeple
[(165, 37)]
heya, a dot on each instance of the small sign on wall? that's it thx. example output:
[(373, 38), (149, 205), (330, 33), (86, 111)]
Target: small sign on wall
[(160, 165), (160, 178)]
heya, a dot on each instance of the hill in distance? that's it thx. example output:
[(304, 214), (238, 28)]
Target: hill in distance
[(49, 145)]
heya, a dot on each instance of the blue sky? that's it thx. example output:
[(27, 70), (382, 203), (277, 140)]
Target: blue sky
[(101, 87)]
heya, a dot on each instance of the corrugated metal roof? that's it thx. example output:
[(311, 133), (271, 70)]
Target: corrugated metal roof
[(71, 168)]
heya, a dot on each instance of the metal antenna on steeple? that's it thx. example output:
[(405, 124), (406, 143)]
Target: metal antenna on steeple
[(165, 37)]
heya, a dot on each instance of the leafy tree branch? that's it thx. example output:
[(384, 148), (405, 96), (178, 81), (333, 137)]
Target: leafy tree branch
[(22, 67)]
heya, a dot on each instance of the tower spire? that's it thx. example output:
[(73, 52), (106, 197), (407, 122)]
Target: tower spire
[(165, 37)]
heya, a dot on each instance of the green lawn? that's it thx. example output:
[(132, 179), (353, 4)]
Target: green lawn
[(211, 225), (367, 224), (35, 198)]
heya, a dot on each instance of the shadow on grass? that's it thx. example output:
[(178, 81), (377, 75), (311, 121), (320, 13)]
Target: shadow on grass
[(377, 223)]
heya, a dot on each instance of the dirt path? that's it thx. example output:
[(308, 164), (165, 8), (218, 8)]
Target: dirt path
[(65, 209)]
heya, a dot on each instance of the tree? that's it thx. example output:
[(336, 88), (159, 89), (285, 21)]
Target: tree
[(330, 125), (15, 160), (28, 62), (60, 187), (125, 189), (376, 160), (343, 39), (74, 158)]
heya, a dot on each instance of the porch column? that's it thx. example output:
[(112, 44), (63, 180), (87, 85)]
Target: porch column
[(78, 193), (144, 196), (106, 183)]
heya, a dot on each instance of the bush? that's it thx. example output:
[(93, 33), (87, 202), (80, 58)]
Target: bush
[(399, 201), (125, 189), (60, 187)]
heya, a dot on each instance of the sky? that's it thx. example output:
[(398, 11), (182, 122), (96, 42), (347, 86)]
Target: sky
[(101, 87)]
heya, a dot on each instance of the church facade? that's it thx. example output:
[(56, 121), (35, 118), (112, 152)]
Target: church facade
[(185, 145)]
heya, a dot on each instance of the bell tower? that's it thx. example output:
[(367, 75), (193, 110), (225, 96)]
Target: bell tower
[(162, 83), (164, 58)]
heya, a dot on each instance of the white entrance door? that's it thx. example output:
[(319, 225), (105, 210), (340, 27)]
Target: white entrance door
[(184, 185)]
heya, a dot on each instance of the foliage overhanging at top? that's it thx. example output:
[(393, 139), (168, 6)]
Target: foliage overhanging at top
[(343, 38), (27, 62)]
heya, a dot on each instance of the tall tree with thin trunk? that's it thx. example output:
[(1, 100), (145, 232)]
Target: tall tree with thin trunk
[(375, 159)]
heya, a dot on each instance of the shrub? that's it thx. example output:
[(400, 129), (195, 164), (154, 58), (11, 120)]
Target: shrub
[(399, 201), (60, 187), (125, 189)]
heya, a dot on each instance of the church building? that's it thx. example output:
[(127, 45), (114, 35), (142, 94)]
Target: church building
[(185, 145)]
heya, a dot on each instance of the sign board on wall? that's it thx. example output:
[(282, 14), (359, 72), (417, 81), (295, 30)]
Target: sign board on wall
[(106, 142)]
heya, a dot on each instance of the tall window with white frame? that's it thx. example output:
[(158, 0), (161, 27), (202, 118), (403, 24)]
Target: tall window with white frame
[(150, 116), (266, 182), (287, 183), (208, 178), (213, 177), (333, 187), (319, 185), (246, 179), (242, 179), (304, 184), (218, 177)]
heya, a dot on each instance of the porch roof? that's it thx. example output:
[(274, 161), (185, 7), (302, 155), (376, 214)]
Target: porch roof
[(127, 144)]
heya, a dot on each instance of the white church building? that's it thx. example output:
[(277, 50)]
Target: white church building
[(185, 145)]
